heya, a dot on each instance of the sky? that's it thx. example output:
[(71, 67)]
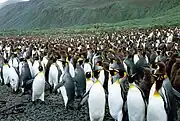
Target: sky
[(6, 2), (2, 1)]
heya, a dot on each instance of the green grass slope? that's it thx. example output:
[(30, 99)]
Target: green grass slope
[(45, 14)]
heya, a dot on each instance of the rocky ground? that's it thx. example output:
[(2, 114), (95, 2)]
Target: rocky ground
[(52, 110), (13, 107)]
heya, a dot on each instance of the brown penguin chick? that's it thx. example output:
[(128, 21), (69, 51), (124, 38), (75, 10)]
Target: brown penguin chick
[(147, 82), (174, 69), (170, 64)]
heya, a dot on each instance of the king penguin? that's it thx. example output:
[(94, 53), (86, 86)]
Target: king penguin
[(38, 86), (80, 79), (5, 72), (96, 101), (156, 110), (67, 88), (115, 97), (136, 104), (88, 74)]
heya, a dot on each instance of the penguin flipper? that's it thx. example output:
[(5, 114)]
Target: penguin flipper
[(83, 100), (176, 93), (60, 84), (28, 82)]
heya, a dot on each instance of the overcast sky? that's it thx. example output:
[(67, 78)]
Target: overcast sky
[(7, 2)]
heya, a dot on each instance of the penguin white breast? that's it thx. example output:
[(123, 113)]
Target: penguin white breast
[(136, 58), (96, 101), (13, 78), (136, 106), (60, 65), (115, 100), (20, 67), (152, 91), (45, 61), (53, 75), (71, 70), (35, 69), (87, 68), (6, 72), (39, 84), (30, 66), (89, 84), (156, 110), (15, 62), (101, 77)]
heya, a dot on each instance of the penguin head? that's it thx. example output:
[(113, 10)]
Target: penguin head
[(40, 68), (88, 75), (80, 61), (160, 75), (5, 61), (96, 71)]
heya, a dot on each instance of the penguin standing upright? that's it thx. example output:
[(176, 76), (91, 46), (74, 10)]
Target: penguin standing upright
[(136, 104), (115, 97), (157, 99), (88, 74), (38, 86), (96, 101), (53, 74), (35, 66), (5, 72), (67, 87), (13, 78), (80, 80), (25, 77)]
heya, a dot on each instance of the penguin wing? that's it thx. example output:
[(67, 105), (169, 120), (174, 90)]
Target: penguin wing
[(28, 82), (59, 71), (144, 98), (84, 98), (176, 93), (60, 84)]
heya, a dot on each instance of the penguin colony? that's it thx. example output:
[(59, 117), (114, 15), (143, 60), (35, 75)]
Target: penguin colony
[(136, 73)]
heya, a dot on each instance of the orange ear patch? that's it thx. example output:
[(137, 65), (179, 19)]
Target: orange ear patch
[(165, 76)]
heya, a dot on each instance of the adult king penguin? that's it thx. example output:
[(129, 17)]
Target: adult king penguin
[(136, 103), (165, 94), (80, 79), (67, 87), (157, 101), (88, 74), (96, 101), (115, 96), (38, 86), (5, 72)]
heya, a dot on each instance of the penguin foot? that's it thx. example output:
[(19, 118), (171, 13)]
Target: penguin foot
[(56, 92), (8, 85), (33, 102), (42, 103), (70, 107)]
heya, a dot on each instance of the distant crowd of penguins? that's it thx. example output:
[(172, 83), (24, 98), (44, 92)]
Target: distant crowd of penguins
[(137, 73)]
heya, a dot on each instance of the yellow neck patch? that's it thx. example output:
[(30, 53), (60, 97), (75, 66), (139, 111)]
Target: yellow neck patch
[(117, 81), (98, 82), (41, 74), (88, 80), (125, 74), (157, 94), (5, 65), (131, 86)]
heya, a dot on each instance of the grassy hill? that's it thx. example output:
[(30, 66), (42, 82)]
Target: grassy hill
[(49, 14)]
